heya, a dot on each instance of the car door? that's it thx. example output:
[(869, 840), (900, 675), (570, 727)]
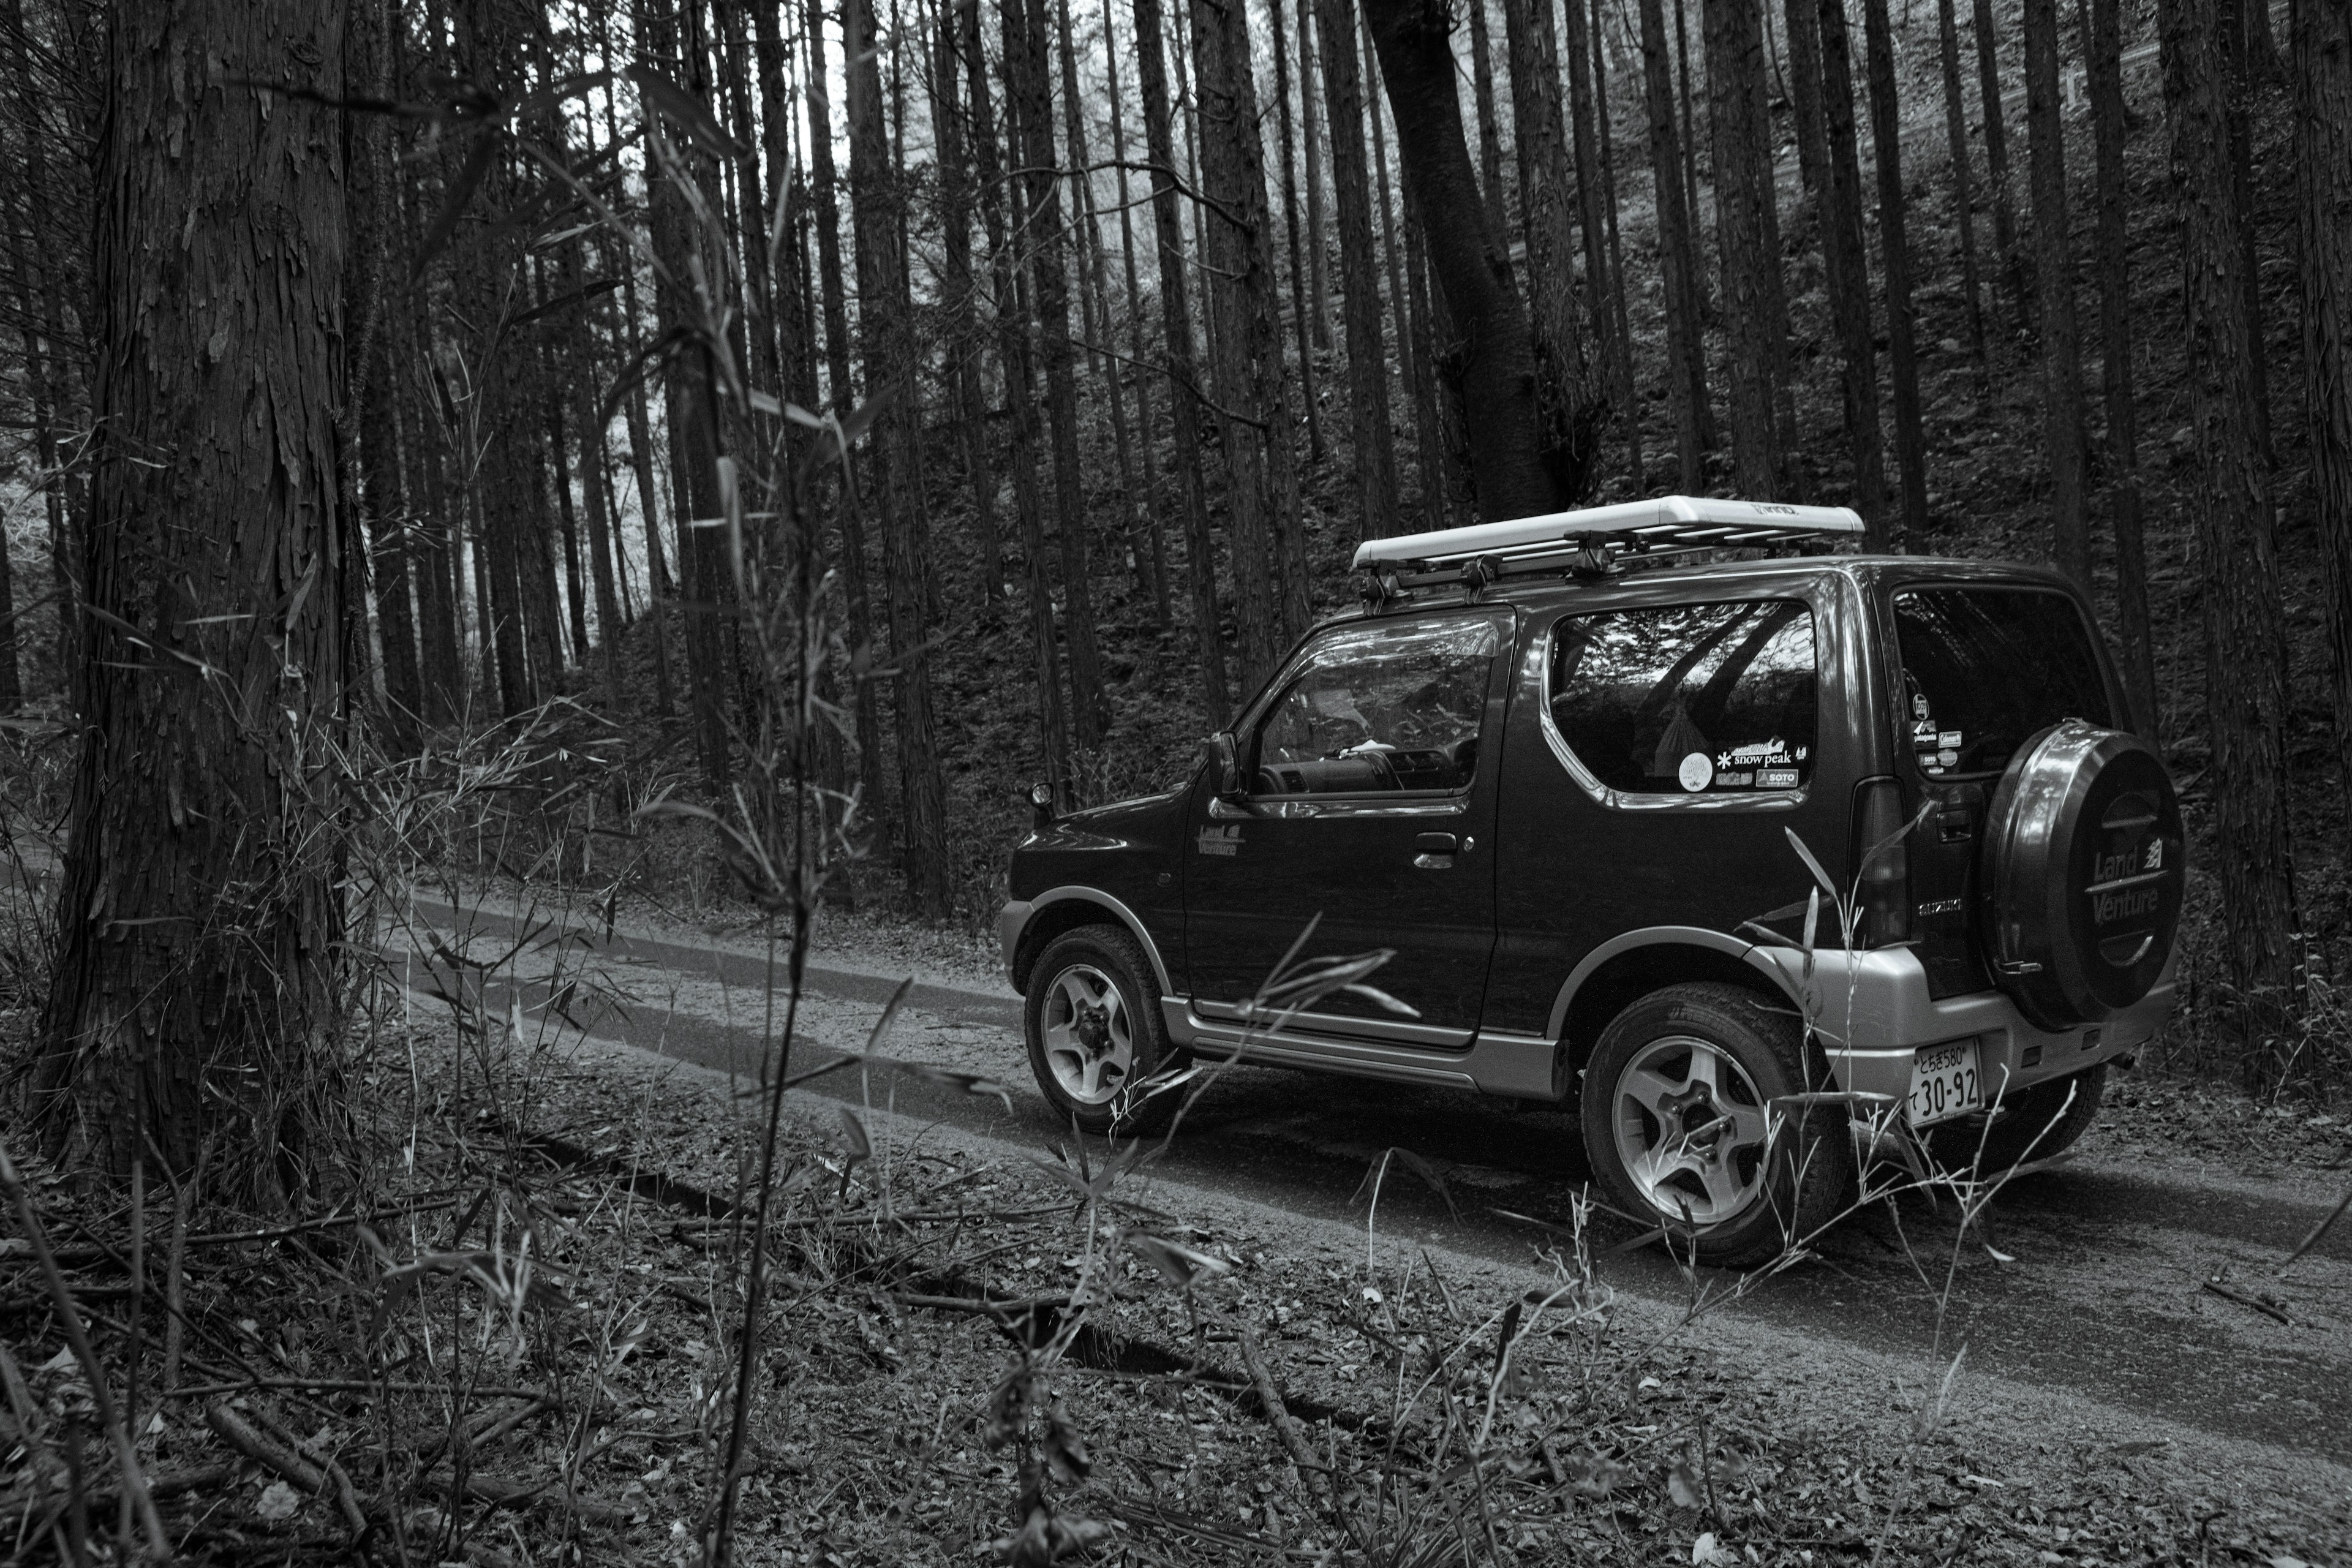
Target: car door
[(1369, 765)]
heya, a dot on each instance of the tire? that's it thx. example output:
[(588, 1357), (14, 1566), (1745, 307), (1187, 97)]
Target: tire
[(1735, 1197), (2084, 874), (1092, 1018), (2034, 1124)]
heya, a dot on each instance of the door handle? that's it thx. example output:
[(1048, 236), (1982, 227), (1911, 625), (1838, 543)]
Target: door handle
[(1435, 852)]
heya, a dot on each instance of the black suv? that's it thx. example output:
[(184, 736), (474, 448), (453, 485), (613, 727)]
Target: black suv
[(1739, 856)]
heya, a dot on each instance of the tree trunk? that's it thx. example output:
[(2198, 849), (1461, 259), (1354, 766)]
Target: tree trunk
[(2323, 80), (1848, 271), (1996, 133), (1490, 125), (842, 393), (1270, 586), (1894, 250), (692, 418), (1374, 442), (1592, 227), (1740, 121), (1955, 137), (1570, 401), (1301, 303), (2230, 498), (197, 995), (875, 195), (1155, 526), (2241, 72), (372, 445), (1134, 494), (600, 531), (1689, 142), (1685, 347), (1019, 404), (1319, 266), (1629, 393), (1429, 445), (1029, 115), (2109, 127), (2053, 267), (965, 368), (1805, 94)]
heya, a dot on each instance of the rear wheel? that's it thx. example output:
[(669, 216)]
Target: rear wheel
[(2034, 1124), (1095, 1031), (1678, 1124)]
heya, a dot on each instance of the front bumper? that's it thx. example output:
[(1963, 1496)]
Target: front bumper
[(1872, 1014)]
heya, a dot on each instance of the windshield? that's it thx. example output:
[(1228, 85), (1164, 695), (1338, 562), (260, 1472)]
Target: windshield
[(1985, 667)]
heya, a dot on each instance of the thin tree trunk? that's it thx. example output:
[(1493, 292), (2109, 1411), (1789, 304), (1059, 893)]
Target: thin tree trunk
[(1956, 136), (371, 432), (1996, 134), (1685, 347), (1319, 266), (1020, 403), (842, 393), (1470, 263), (1689, 141), (2109, 127), (1629, 393), (2241, 74), (198, 993), (1270, 586), (2322, 85), (1805, 94), (1029, 114), (2053, 267), (1301, 302), (875, 197), (1373, 441), (1134, 493), (1847, 264), (659, 591), (1570, 400), (966, 369), (1156, 524), (2231, 500), (1490, 124), (1592, 227), (1429, 447), (1894, 252), (594, 484), (1743, 200)]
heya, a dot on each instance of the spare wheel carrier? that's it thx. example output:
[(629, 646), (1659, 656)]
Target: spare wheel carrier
[(2083, 874)]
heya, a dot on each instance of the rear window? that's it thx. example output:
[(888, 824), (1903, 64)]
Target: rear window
[(1689, 699), (1985, 667)]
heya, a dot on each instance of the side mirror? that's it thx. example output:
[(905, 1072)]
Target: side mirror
[(1041, 804), (1223, 755)]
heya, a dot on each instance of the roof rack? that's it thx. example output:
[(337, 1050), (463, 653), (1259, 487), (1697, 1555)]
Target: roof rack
[(1589, 541)]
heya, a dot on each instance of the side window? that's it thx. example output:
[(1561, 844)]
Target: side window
[(1984, 667), (1380, 709), (1689, 699)]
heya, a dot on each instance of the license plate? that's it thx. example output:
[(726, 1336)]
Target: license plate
[(1945, 1083)]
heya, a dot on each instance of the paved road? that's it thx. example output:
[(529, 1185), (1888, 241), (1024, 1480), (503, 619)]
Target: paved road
[(2104, 1297)]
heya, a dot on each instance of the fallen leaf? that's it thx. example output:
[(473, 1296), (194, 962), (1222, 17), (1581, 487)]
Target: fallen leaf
[(278, 1502), (1706, 1550)]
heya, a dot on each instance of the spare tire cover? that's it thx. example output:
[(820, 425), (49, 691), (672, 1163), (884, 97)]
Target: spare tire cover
[(2084, 876)]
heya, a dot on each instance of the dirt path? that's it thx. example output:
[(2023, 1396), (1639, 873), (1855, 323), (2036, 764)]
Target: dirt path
[(2102, 1324)]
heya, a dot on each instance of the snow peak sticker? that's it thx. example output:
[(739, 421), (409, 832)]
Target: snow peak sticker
[(1754, 753), (1225, 840)]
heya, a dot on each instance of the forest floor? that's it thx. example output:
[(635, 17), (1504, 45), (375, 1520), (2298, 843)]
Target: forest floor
[(517, 1341)]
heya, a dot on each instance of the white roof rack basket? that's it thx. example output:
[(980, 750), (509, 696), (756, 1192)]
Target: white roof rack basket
[(1589, 539)]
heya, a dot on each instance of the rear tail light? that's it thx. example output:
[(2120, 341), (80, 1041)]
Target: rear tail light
[(1882, 861)]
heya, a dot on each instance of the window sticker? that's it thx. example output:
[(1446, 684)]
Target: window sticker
[(1685, 699)]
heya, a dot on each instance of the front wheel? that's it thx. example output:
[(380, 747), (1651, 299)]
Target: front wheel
[(1095, 1031), (1679, 1126)]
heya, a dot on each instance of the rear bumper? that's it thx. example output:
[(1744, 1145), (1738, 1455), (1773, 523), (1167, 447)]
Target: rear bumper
[(1872, 1015)]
